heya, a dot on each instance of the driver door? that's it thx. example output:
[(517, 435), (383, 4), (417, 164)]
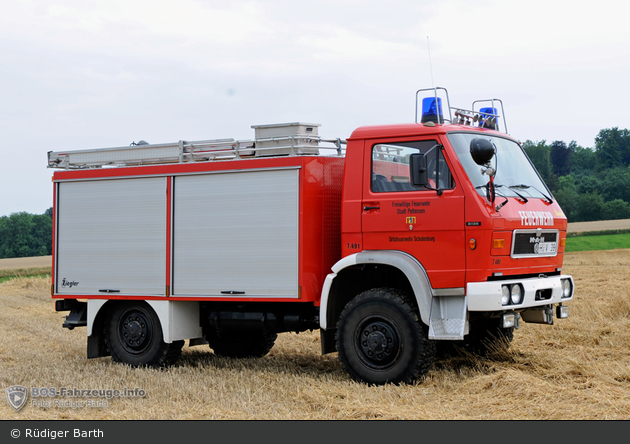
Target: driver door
[(427, 224)]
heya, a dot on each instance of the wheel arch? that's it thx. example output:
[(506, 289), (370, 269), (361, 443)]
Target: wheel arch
[(179, 320), (350, 277)]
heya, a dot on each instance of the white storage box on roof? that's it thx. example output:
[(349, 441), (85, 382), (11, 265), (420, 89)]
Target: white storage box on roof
[(286, 139)]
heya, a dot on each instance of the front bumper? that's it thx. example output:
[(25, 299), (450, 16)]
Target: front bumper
[(538, 292)]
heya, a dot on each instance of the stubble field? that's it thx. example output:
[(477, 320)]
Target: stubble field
[(577, 369)]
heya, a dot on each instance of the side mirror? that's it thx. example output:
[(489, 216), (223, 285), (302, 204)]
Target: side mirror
[(418, 170)]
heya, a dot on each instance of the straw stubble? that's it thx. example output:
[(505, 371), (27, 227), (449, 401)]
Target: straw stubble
[(577, 369)]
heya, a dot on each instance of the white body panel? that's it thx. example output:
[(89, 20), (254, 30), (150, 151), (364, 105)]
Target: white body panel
[(236, 233), (179, 319), (111, 236)]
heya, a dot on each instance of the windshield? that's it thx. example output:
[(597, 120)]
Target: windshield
[(515, 176)]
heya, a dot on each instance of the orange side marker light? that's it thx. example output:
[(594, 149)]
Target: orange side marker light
[(498, 243)]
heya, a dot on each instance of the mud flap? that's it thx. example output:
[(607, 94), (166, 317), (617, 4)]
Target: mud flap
[(77, 316), (448, 318)]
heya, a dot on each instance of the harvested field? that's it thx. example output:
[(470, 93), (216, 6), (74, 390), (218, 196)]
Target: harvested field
[(25, 262), (576, 369), (600, 225)]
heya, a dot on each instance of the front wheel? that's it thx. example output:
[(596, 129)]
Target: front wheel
[(134, 337), (381, 339)]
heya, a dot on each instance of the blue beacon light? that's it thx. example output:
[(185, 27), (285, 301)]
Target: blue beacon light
[(430, 111)]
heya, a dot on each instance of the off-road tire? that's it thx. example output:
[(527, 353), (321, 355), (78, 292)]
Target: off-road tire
[(381, 339), (133, 334), (241, 343)]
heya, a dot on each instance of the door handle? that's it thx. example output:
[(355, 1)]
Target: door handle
[(371, 208)]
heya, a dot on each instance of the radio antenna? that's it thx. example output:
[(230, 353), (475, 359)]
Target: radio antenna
[(437, 108), (430, 64)]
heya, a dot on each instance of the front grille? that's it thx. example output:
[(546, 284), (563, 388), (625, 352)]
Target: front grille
[(535, 243)]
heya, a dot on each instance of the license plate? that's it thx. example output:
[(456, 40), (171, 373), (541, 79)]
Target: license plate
[(545, 247)]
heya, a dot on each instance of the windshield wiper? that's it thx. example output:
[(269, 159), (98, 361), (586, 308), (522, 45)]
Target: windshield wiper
[(523, 198), (501, 205), (522, 185)]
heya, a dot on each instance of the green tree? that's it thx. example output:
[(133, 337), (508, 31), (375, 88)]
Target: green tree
[(612, 147), (567, 196), (42, 233), (588, 184), (616, 185), (24, 234), (560, 158), (538, 153), (583, 160), (616, 209), (589, 207)]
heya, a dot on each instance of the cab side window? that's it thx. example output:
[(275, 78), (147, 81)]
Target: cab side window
[(390, 166)]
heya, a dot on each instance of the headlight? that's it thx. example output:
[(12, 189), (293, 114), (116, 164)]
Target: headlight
[(516, 295), (566, 288), (505, 296)]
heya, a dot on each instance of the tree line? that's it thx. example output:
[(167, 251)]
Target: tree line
[(589, 183), (25, 235)]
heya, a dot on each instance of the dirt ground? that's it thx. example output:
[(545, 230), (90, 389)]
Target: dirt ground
[(25, 262), (600, 225)]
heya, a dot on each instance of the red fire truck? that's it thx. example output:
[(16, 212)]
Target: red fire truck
[(393, 243)]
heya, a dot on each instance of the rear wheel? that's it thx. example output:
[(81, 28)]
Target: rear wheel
[(381, 339), (241, 343), (134, 337)]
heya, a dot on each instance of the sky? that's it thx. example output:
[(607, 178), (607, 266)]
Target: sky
[(80, 74)]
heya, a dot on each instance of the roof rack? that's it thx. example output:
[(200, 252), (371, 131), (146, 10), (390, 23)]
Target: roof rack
[(301, 142)]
